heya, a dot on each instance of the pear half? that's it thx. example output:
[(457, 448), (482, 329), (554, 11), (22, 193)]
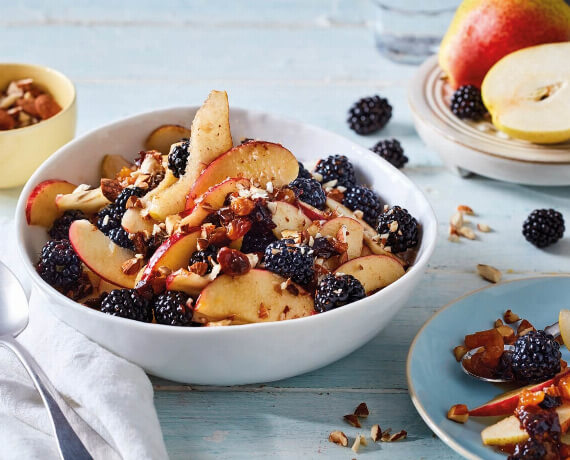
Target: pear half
[(528, 93)]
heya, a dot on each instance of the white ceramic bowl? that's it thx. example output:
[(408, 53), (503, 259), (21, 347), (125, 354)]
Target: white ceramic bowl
[(237, 354), (479, 147)]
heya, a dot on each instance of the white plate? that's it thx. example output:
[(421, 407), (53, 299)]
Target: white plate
[(478, 147), (237, 354)]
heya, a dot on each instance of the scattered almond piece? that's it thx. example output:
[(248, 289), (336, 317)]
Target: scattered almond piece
[(524, 328), (456, 220), (363, 441), (375, 432), (458, 413), (467, 233), (489, 273), (459, 352), (506, 331), (465, 209), (362, 410), (402, 434), (352, 420), (453, 237), (483, 228), (499, 322), (338, 437), (356, 444), (511, 317)]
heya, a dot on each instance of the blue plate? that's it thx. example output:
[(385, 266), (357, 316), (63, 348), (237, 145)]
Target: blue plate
[(435, 379)]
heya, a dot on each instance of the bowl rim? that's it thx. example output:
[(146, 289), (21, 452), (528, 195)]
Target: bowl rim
[(417, 268), (63, 110)]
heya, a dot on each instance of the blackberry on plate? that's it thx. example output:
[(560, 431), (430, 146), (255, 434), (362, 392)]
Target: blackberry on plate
[(309, 191), (401, 228), (336, 167), (303, 173), (121, 201), (467, 103), (334, 291), (257, 239), (60, 227), (536, 357), (543, 227), (369, 114), (532, 449), (290, 260), (364, 199), (59, 266), (391, 150), (204, 255), (171, 308), (120, 237), (178, 157), (127, 303)]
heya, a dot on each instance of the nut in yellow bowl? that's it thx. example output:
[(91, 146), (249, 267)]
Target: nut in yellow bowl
[(22, 150)]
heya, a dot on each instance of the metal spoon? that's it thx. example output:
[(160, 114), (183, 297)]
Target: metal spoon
[(13, 320), (553, 330)]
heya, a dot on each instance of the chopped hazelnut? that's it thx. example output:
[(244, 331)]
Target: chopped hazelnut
[(338, 437)]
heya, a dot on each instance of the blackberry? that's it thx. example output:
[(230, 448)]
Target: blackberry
[(303, 173), (337, 167), (257, 239), (364, 199), (309, 191), (467, 103), (543, 227), (402, 236), (120, 237), (369, 114), (536, 357), (109, 218), (60, 228), (337, 290), (120, 203), (59, 266), (290, 260), (172, 308), (204, 255), (539, 424), (391, 150), (178, 157), (127, 303), (550, 402), (529, 450)]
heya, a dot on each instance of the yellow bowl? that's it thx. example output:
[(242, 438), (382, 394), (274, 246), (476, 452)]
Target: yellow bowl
[(22, 150)]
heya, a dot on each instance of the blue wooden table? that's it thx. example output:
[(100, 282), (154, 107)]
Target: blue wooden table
[(309, 60)]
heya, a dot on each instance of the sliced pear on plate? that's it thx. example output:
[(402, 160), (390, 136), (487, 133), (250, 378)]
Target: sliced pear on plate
[(527, 93)]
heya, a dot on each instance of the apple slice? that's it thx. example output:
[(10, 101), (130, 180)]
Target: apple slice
[(508, 431), (164, 136), (173, 254), (259, 161), (313, 213), (251, 298), (134, 222), (213, 200), (533, 104), (210, 137), (370, 235), (40, 206), (287, 217), (506, 403), (346, 230), (112, 164), (374, 272), (188, 282), (88, 201), (100, 254)]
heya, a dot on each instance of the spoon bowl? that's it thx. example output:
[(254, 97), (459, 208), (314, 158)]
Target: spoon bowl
[(470, 353), (14, 310)]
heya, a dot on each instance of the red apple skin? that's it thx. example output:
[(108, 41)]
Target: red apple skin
[(311, 212), (40, 206), (506, 403), (171, 243), (484, 31)]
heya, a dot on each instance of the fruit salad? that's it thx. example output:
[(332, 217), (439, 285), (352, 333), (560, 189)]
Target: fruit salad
[(197, 231), (536, 416)]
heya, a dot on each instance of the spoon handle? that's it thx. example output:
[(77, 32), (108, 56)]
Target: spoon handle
[(69, 444)]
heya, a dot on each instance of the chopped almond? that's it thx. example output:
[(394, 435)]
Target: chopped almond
[(489, 273), (511, 317), (352, 419), (362, 410), (375, 432), (459, 352), (465, 209), (338, 437), (458, 413)]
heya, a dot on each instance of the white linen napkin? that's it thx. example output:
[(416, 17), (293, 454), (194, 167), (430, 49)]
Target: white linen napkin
[(111, 394)]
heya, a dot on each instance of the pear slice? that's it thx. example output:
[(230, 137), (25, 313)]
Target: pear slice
[(527, 93)]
